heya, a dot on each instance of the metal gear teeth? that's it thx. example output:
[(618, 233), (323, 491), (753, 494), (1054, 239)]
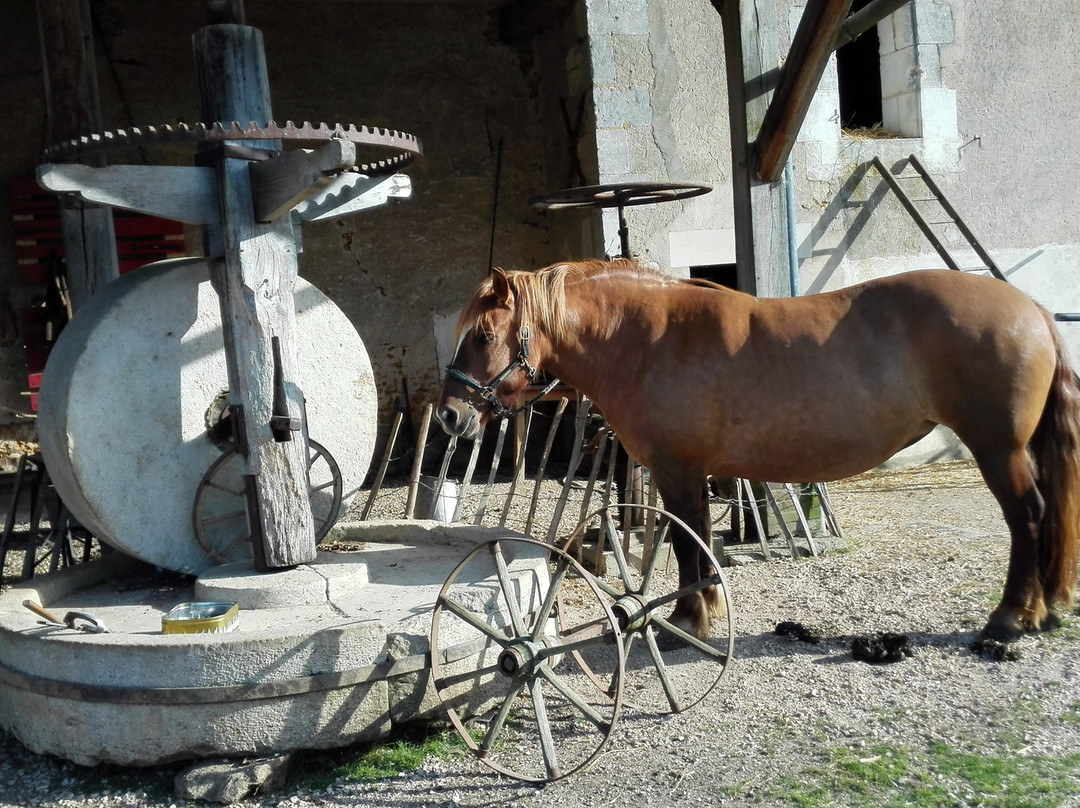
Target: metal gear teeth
[(409, 145)]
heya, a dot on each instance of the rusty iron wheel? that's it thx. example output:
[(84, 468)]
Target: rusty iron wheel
[(667, 669), (219, 516), (506, 660)]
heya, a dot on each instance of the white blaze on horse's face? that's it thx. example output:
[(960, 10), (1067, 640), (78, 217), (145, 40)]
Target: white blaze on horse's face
[(483, 377)]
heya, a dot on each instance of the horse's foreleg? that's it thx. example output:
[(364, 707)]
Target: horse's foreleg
[(685, 499), (714, 602), (1023, 605)]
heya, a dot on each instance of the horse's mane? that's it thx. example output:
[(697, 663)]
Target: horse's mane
[(541, 295)]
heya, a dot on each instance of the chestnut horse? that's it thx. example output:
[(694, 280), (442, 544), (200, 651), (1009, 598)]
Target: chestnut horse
[(700, 380)]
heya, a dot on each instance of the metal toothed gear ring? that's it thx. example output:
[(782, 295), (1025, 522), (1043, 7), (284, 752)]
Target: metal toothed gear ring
[(408, 147)]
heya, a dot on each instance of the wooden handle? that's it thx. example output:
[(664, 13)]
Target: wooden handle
[(42, 612)]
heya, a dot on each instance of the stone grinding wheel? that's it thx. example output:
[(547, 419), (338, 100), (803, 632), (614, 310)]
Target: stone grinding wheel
[(122, 419)]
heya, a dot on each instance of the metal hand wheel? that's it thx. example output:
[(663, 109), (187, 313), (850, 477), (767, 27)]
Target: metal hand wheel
[(220, 513), (621, 196), (668, 670), (509, 670)]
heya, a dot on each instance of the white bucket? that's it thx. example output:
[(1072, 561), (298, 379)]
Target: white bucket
[(441, 507)]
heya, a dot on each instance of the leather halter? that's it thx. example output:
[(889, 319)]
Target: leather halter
[(487, 391)]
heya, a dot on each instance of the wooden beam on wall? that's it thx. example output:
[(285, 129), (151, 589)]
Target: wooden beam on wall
[(864, 19), (811, 48), (761, 222)]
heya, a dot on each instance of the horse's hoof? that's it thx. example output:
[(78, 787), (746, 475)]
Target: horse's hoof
[(1052, 621), (715, 604), (696, 625), (1001, 631)]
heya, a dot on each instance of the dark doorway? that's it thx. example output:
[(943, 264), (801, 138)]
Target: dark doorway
[(858, 67)]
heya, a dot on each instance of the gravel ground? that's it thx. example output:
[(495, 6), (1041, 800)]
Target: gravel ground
[(925, 556)]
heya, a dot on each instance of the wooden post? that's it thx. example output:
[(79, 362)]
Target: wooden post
[(255, 282), (761, 229), (71, 103)]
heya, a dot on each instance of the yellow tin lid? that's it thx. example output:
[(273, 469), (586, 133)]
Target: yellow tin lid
[(203, 617)]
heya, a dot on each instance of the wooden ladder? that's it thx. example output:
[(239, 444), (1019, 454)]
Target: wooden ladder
[(940, 209)]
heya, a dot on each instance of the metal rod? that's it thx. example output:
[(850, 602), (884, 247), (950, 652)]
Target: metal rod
[(543, 462), (575, 461)]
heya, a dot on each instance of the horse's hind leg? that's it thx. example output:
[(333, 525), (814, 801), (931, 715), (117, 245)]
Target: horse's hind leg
[(1011, 480)]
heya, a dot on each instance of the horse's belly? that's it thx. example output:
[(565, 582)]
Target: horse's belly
[(810, 451)]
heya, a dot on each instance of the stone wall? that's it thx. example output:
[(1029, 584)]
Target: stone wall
[(437, 70)]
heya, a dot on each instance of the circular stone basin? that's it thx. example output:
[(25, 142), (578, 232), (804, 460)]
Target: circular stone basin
[(323, 655)]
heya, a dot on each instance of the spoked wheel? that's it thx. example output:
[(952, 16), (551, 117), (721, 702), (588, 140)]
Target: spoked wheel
[(668, 670), (511, 673), (220, 513)]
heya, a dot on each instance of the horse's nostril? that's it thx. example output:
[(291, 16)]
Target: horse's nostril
[(447, 416)]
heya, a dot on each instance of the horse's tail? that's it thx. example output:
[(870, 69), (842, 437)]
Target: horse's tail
[(1056, 450)]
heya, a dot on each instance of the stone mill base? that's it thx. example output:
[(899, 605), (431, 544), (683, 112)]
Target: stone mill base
[(323, 655)]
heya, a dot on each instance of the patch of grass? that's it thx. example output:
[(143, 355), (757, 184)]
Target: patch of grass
[(941, 776), (1072, 714), (377, 761)]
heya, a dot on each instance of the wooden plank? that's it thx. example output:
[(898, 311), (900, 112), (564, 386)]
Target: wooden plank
[(281, 183), (800, 75), (478, 518), (418, 463), (771, 499), (576, 453), (255, 282), (72, 110), (804, 523), (521, 440), (466, 481), (181, 193), (751, 62), (594, 471), (444, 469), (762, 538), (543, 462), (377, 485)]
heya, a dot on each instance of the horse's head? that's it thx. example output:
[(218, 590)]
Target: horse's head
[(492, 365)]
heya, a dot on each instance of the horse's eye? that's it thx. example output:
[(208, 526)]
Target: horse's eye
[(484, 338)]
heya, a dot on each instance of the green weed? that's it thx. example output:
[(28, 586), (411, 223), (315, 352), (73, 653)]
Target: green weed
[(376, 761), (939, 776)]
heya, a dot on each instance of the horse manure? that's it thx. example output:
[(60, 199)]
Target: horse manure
[(994, 650), (789, 628), (881, 648)]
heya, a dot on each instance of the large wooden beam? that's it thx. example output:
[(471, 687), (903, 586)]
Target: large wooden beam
[(761, 223), (72, 110), (811, 48), (255, 281), (864, 19)]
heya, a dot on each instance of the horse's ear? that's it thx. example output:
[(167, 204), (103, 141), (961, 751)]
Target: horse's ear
[(500, 284)]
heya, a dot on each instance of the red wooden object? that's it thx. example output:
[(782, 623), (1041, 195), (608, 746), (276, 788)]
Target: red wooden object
[(139, 240)]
